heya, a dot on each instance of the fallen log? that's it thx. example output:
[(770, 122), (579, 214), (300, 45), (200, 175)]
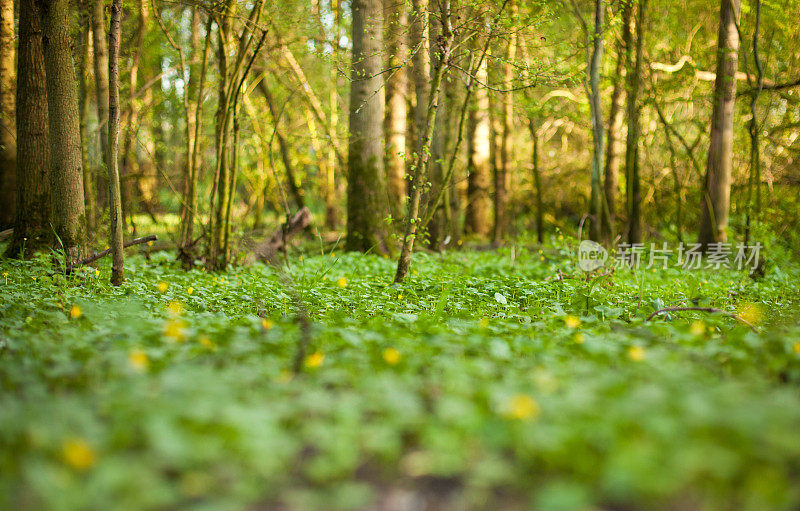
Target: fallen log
[(97, 255), (267, 250)]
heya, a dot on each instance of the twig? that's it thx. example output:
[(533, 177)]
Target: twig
[(103, 253), (711, 310)]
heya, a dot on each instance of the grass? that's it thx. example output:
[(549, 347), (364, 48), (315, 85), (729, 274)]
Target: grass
[(485, 381)]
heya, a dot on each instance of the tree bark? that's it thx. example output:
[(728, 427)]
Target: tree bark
[(101, 87), (421, 72), (396, 109), (366, 189), (114, 197), (8, 144), (717, 186), (633, 180), (615, 122), (31, 228), (598, 130), (537, 182), (479, 201), (506, 149), (84, 103), (66, 173)]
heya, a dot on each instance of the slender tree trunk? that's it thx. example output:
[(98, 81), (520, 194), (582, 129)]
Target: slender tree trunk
[(396, 92), (101, 89), (438, 147), (8, 135), (412, 220), (615, 122), (66, 174), (717, 185), (479, 201), (421, 73), (537, 182), (633, 179), (503, 174), (114, 198), (753, 128), (84, 100), (283, 147), (366, 189), (31, 228), (598, 130)]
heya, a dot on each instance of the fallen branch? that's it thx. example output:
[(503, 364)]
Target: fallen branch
[(266, 251), (6, 234), (97, 255), (702, 309)]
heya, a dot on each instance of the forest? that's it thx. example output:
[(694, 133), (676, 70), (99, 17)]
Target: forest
[(400, 255)]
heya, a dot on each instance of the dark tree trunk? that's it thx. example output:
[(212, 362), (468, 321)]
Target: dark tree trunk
[(31, 228)]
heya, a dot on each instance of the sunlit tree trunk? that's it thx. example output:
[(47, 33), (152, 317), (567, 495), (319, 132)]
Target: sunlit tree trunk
[(436, 226), (479, 201), (32, 224), (396, 110), (66, 173), (717, 186), (366, 188), (420, 65), (8, 144)]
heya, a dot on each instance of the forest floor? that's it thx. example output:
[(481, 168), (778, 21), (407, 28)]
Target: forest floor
[(489, 380)]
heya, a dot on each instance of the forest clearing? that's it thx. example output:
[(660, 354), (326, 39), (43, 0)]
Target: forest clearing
[(399, 255)]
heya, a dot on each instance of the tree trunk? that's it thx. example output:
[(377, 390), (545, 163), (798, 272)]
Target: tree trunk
[(615, 122), (754, 181), (8, 144), (717, 186), (366, 189), (31, 228), (506, 156), (633, 179), (438, 147), (537, 182), (101, 88), (421, 72), (594, 65), (66, 174), (114, 198), (479, 201), (396, 92), (412, 220), (84, 103)]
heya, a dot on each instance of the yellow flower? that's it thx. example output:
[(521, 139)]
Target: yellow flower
[(333, 254), (342, 282), (75, 311), (189, 290), (97, 273), (138, 360), (174, 329), (579, 338), (315, 360), (391, 356), (175, 307), (400, 297), (149, 243), (285, 376), (266, 324), (163, 286), (484, 322), (796, 348), (78, 454), (522, 407), (697, 328), (207, 343), (751, 312), (572, 322), (636, 353)]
